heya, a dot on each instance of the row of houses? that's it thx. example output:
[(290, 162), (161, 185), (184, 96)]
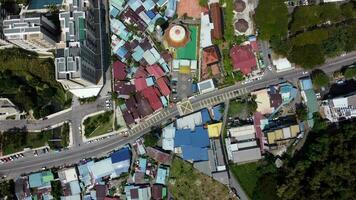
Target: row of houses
[(84, 181), (195, 138)]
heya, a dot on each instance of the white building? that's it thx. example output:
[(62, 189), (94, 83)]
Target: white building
[(339, 108), (282, 64), (206, 86), (205, 31), (33, 32), (241, 145)]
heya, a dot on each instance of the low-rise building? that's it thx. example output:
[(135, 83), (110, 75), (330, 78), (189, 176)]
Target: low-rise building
[(339, 108), (241, 145)]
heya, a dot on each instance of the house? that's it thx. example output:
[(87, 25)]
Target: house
[(216, 18), (159, 156), (151, 95), (168, 134), (309, 98), (158, 192), (138, 192), (139, 146), (210, 60), (124, 89), (140, 84), (121, 161), (281, 64), (119, 69), (155, 70), (84, 173), (205, 30), (163, 86), (101, 169), (206, 86), (22, 188), (41, 179), (214, 130), (243, 59), (241, 145), (162, 175)]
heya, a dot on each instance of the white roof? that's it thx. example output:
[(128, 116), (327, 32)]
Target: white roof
[(148, 56), (286, 133), (340, 102), (193, 64), (243, 145), (168, 132), (168, 144), (190, 121), (243, 132), (206, 86), (205, 31), (246, 155), (282, 64), (70, 175), (101, 168)]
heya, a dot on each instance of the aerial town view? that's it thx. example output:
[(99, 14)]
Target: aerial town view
[(177, 99)]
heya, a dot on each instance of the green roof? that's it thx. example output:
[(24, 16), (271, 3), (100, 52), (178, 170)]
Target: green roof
[(81, 29), (190, 50), (312, 102), (47, 177)]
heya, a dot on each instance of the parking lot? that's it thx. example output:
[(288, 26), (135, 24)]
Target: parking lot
[(181, 86), (26, 153)]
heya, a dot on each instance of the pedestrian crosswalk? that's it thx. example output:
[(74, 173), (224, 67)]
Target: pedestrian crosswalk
[(186, 108)]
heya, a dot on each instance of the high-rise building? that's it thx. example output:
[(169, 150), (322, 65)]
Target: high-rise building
[(79, 62), (34, 32)]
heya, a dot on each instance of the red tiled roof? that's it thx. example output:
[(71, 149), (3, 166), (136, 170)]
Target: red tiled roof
[(210, 55), (141, 72), (243, 58), (162, 84), (143, 106), (216, 17), (140, 84), (119, 71), (157, 192), (123, 88), (150, 94), (155, 70), (128, 117)]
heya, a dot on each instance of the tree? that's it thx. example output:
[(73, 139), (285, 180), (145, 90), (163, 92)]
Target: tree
[(150, 139), (308, 56), (271, 19), (319, 79), (203, 3), (324, 167), (350, 73), (57, 191), (7, 190), (301, 111)]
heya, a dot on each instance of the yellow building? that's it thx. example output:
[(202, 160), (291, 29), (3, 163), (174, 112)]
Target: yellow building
[(214, 130)]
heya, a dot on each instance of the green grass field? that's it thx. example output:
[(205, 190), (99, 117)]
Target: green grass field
[(186, 183), (190, 50), (247, 175), (98, 125)]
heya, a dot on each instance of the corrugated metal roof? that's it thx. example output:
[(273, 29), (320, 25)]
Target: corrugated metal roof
[(195, 154), (121, 155)]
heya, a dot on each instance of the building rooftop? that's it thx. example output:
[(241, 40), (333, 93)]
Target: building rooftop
[(119, 69), (216, 17), (243, 59), (214, 130)]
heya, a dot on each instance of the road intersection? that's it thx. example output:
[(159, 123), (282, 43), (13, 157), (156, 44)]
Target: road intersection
[(102, 147)]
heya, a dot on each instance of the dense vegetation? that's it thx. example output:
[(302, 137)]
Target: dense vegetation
[(242, 107), (350, 72), (17, 139), (29, 82), (325, 166), (319, 79), (315, 32), (7, 189)]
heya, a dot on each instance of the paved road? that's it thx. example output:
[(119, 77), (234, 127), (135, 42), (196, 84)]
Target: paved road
[(73, 155)]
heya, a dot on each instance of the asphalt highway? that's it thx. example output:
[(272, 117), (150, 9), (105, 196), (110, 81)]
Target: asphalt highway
[(102, 147)]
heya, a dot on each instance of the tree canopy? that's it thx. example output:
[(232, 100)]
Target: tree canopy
[(271, 19), (324, 167), (319, 79)]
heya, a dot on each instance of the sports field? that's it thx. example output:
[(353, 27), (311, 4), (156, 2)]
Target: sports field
[(189, 52)]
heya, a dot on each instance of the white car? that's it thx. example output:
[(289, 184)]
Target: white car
[(270, 68), (305, 72)]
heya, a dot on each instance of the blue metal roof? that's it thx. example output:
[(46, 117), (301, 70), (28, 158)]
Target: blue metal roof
[(217, 113), (150, 14), (142, 163), (35, 180), (121, 52), (205, 116), (74, 187), (195, 154), (199, 138), (114, 12), (121, 155), (306, 84)]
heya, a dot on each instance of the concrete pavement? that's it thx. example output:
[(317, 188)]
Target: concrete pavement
[(73, 155)]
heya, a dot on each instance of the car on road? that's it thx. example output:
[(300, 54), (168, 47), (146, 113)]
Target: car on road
[(269, 68), (35, 153), (305, 72)]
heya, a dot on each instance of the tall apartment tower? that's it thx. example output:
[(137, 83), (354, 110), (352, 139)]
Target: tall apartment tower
[(33, 31), (79, 61)]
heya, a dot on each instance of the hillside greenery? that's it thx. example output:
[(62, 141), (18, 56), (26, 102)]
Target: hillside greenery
[(314, 33), (319, 79), (29, 82)]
